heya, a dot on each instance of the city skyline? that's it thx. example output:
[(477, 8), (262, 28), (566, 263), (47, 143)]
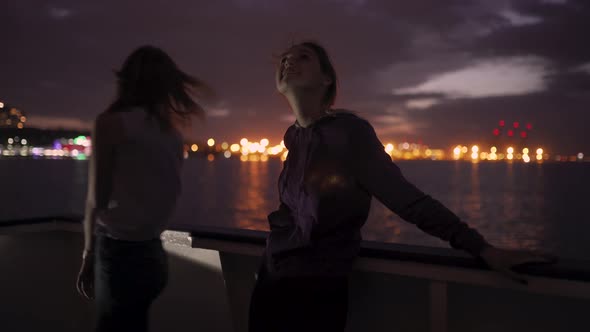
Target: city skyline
[(426, 71)]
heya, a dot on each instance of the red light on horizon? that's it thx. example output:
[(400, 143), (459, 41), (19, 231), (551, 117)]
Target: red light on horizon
[(529, 126), (516, 125), (502, 123), (510, 133), (523, 134), (496, 132)]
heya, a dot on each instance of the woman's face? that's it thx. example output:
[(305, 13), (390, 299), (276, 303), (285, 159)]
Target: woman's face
[(298, 68)]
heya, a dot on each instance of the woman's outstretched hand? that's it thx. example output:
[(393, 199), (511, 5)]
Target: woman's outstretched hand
[(503, 260), (85, 282)]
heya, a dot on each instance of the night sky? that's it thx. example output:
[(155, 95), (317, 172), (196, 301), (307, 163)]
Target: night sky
[(440, 72)]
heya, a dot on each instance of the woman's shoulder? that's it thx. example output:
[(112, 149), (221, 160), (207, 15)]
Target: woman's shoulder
[(349, 121), (110, 124), (288, 136), (344, 128)]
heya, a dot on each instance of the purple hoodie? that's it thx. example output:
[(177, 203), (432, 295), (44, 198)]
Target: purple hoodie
[(333, 169)]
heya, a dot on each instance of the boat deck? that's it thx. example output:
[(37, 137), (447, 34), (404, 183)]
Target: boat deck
[(393, 288)]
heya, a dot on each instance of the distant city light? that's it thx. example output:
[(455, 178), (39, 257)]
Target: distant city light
[(264, 150), (526, 158), (254, 147), (1, 104), (23, 119), (80, 140), (510, 133), (516, 125), (389, 148), (502, 123)]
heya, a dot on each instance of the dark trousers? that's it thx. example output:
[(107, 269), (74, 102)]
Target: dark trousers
[(129, 275), (298, 304)]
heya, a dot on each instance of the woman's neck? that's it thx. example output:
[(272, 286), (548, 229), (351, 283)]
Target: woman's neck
[(307, 108)]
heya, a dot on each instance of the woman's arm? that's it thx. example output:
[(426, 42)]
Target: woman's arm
[(383, 179), (105, 135)]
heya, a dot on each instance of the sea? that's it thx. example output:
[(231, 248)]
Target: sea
[(536, 206)]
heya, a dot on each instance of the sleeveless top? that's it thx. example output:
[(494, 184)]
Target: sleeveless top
[(146, 179)]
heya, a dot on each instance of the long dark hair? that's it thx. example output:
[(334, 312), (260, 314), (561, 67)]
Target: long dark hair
[(150, 79)]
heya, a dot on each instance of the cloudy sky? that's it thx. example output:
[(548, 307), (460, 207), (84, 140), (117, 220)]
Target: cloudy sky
[(440, 72)]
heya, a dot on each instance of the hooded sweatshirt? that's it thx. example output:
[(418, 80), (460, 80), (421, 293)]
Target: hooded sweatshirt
[(333, 169)]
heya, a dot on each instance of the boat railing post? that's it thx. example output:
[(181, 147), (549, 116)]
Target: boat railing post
[(438, 306), (239, 281)]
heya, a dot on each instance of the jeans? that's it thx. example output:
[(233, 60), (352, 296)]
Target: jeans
[(298, 304), (128, 277)]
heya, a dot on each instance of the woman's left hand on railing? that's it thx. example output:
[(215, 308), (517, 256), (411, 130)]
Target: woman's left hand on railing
[(504, 260)]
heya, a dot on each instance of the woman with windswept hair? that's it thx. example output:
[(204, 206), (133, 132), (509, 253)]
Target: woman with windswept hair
[(133, 185), (335, 165)]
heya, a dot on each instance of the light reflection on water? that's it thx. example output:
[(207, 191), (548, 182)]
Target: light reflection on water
[(534, 206)]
